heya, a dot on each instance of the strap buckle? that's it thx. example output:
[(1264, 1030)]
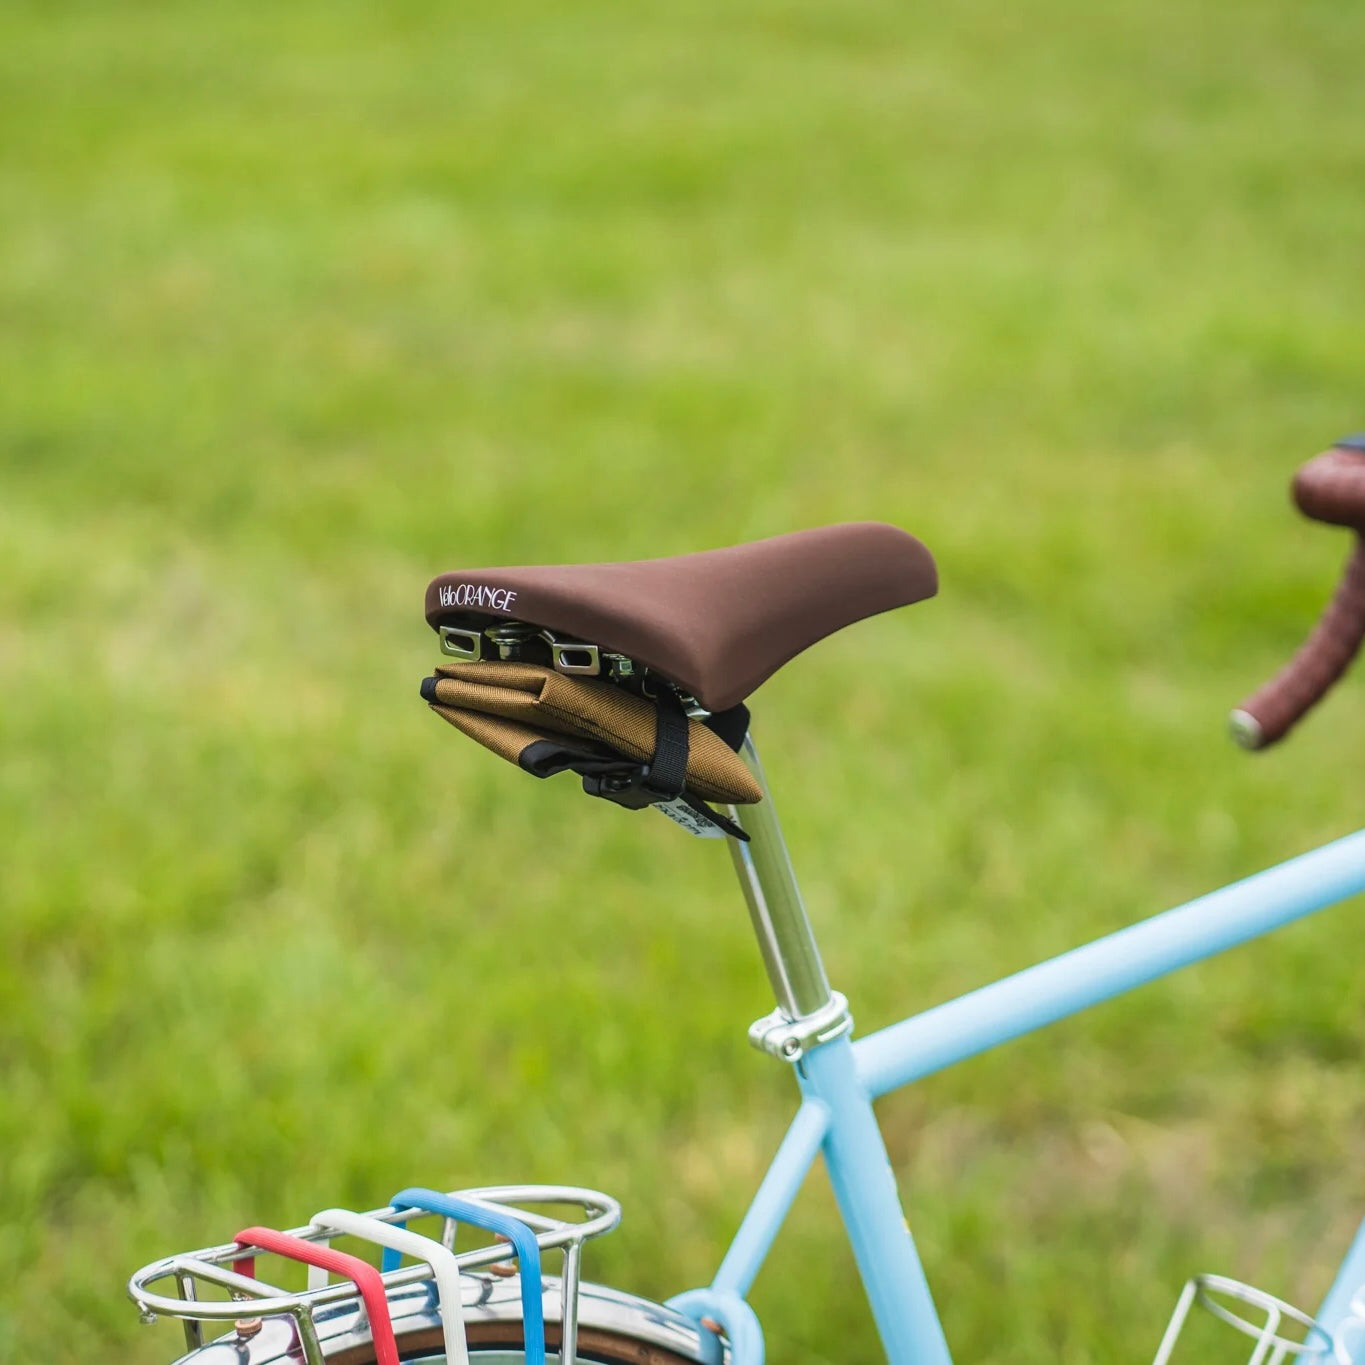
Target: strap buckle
[(662, 781)]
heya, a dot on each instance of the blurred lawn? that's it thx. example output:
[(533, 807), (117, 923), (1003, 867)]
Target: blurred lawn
[(300, 305)]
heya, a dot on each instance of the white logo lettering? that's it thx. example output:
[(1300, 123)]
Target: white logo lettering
[(475, 595)]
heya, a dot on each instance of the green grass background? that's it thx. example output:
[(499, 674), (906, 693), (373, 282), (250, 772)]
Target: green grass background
[(302, 304)]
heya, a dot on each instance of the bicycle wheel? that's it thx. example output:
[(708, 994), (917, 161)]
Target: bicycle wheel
[(614, 1328), (594, 1348)]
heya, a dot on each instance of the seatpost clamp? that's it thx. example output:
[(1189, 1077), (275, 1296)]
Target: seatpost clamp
[(790, 1039)]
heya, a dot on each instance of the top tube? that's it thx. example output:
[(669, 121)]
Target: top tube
[(1131, 957)]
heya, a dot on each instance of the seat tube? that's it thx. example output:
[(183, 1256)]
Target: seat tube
[(778, 913), (869, 1203), (810, 1028)]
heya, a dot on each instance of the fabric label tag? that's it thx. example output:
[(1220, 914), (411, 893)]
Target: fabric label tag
[(693, 821)]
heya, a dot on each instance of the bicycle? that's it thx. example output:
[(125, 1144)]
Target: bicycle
[(634, 677)]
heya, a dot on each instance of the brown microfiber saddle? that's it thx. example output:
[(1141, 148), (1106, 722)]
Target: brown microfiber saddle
[(717, 623), (703, 628)]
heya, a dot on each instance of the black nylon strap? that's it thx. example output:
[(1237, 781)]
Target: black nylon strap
[(547, 757), (667, 774), (722, 822)]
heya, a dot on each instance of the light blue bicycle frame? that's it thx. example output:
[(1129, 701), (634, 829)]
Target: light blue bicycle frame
[(840, 1078)]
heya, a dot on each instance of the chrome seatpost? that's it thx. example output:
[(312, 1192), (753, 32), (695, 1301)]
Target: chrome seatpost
[(808, 1011)]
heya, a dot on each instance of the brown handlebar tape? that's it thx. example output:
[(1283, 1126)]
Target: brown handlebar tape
[(1327, 653), (1331, 486)]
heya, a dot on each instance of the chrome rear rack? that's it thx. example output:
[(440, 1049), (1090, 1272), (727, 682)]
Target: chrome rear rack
[(246, 1299)]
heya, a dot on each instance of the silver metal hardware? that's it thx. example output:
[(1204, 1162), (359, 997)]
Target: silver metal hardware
[(277, 1340), (1281, 1331), (462, 644), (1246, 729), (508, 640), (790, 1039), (570, 1284), (510, 637), (573, 656), (775, 906)]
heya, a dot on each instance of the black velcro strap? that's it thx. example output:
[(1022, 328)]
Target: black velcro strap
[(667, 774)]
